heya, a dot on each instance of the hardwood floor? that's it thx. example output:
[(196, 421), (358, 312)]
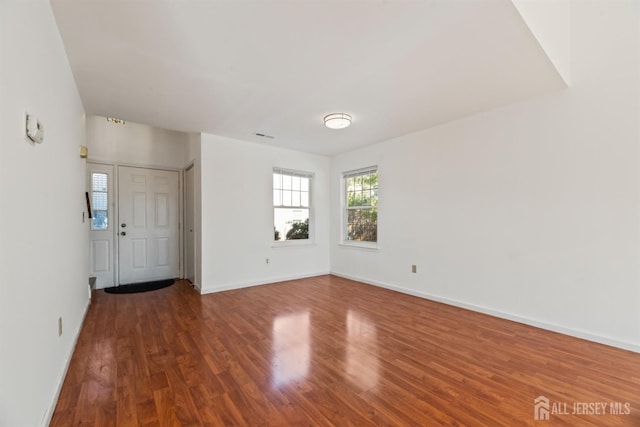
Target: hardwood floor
[(329, 351)]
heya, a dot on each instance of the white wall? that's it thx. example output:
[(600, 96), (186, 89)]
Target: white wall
[(237, 218), (135, 144), (44, 243), (530, 211)]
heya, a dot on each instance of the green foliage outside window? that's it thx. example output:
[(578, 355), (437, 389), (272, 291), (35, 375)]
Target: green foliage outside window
[(362, 207), (299, 230)]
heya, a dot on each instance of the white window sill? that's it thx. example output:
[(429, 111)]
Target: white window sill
[(293, 244), (372, 246)]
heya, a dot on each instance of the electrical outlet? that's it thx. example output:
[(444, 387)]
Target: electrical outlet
[(60, 326), (414, 268)]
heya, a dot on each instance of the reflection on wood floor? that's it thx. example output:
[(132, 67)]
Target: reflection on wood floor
[(330, 351)]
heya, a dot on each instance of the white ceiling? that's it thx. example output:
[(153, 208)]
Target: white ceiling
[(234, 68)]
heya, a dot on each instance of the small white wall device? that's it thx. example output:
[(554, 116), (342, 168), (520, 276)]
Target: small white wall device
[(33, 129)]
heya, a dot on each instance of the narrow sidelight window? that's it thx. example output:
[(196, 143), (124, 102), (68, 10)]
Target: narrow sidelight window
[(100, 201)]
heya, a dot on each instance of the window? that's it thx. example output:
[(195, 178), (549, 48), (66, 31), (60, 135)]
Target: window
[(361, 205), (100, 201), (291, 204)]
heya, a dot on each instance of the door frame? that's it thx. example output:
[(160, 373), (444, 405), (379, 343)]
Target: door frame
[(191, 166), (116, 218)]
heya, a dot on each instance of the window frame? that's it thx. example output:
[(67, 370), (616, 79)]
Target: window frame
[(310, 240), (344, 240)]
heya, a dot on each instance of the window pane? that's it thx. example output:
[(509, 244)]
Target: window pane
[(291, 224), (286, 182), (99, 182), (351, 198), (304, 184), (295, 183), (100, 220), (355, 201), (362, 224), (286, 198), (277, 197), (295, 198), (277, 180), (304, 199), (100, 201)]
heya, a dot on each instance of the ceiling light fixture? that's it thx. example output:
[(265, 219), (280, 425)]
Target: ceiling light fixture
[(337, 121), (114, 120)]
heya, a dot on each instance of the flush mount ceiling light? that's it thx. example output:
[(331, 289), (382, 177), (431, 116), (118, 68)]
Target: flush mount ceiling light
[(337, 120)]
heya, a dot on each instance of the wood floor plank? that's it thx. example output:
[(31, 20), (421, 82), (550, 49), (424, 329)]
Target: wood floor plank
[(328, 351)]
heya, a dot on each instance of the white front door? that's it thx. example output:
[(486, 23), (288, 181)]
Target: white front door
[(147, 224)]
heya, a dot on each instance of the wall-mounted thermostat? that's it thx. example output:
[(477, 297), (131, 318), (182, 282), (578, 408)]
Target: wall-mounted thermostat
[(33, 129)]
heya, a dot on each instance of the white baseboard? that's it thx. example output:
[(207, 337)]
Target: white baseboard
[(503, 315), (52, 407), (239, 285)]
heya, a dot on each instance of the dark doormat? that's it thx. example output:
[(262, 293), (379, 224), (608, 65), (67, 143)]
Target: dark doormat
[(139, 287)]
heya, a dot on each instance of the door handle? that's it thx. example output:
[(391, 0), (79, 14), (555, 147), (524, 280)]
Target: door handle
[(124, 233)]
